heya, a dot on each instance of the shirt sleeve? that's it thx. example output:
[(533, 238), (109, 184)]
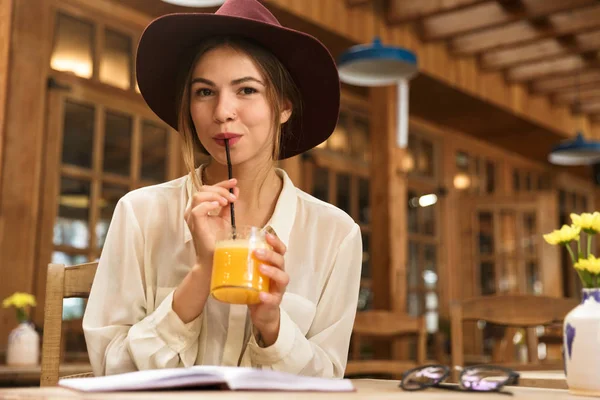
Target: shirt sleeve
[(120, 334), (323, 351)]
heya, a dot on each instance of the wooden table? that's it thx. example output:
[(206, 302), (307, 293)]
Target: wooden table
[(366, 389), (543, 379), (30, 376)]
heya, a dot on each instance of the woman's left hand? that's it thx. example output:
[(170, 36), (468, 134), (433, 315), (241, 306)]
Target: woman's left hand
[(265, 315)]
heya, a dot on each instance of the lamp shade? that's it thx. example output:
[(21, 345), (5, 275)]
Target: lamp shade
[(376, 65), (196, 3), (577, 151)]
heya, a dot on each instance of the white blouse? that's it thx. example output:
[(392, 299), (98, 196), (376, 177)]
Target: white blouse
[(129, 322)]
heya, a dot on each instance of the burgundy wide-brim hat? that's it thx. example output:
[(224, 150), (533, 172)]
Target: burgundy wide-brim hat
[(168, 40)]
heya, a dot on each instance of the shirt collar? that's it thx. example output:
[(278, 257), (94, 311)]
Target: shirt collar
[(283, 217)]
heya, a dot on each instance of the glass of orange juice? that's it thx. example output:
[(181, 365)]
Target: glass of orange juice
[(236, 278)]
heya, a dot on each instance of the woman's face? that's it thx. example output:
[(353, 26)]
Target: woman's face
[(228, 100)]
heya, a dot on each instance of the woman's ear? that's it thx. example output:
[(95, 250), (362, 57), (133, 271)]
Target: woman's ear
[(286, 112)]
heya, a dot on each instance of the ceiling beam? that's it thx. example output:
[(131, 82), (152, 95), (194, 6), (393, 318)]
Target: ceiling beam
[(400, 11), (556, 84), (354, 3), (487, 15), (559, 24), (540, 50), (570, 64), (590, 107), (588, 92)]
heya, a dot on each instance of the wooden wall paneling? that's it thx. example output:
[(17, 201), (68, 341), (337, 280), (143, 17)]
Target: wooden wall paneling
[(22, 151), (97, 165), (6, 13)]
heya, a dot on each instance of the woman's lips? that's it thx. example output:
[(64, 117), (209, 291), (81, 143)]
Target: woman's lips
[(233, 139)]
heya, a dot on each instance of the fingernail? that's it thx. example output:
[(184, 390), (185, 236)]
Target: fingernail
[(232, 196), (264, 268), (215, 203), (260, 252), (270, 236), (263, 296), (223, 200)]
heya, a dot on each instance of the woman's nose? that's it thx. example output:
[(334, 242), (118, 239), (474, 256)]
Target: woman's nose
[(225, 109)]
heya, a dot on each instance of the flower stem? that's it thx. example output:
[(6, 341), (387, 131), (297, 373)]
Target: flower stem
[(568, 246), (21, 315), (579, 249), (589, 245)]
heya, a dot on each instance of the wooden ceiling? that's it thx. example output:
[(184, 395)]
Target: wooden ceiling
[(552, 46)]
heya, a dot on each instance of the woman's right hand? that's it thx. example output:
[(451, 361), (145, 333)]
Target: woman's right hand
[(202, 220)]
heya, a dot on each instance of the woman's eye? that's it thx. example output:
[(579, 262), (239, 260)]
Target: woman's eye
[(203, 92), (248, 90)]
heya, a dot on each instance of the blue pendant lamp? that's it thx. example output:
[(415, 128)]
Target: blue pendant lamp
[(378, 65), (577, 151)]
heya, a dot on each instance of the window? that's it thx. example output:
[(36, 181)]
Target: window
[(474, 174)]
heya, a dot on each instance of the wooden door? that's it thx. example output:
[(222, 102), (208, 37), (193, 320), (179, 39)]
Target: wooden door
[(98, 147), (502, 251)]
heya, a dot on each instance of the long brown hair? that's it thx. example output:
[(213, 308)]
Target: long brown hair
[(279, 87)]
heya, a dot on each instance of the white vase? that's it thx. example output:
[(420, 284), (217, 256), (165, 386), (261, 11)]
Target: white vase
[(23, 346), (581, 339)]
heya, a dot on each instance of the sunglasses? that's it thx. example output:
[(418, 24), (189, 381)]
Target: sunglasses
[(477, 378)]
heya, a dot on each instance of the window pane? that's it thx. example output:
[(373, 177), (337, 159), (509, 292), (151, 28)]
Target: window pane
[(339, 141), (115, 67), (425, 160), (117, 144), (486, 233), (364, 209), (530, 233), (71, 225), (431, 321), (490, 177), (109, 197), (321, 183), (413, 264), (427, 220), (154, 152), (430, 266), (343, 192), (78, 135), (72, 50), (73, 308), (366, 260), (59, 257), (413, 304), (413, 219), (516, 181), (534, 285), (365, 299), (528, 182), (488, 278), (361, 140)]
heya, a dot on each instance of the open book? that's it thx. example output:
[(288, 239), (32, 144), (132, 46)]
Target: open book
[(232, 378)]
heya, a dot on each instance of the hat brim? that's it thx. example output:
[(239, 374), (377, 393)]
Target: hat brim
[(168, 39)]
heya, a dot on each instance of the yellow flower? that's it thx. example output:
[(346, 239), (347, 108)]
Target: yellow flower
[(590, 264), (19, 300), (564, 235), (589, 223)]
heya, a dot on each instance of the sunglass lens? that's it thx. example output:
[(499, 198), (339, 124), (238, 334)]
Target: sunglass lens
[(484, 379), (424, 377)]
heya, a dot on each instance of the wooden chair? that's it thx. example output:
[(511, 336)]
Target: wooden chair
[(384, 324), (62, 282), (525, 311)]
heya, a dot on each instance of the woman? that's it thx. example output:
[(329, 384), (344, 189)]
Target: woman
[(273, 93)]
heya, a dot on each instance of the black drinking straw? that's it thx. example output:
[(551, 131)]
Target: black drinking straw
[(230, 171)]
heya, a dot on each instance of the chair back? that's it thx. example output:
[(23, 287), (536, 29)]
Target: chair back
[(390, 325), (523, 311), (62, 282)]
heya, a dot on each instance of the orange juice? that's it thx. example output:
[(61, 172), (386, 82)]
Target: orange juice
[(236, 278)]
